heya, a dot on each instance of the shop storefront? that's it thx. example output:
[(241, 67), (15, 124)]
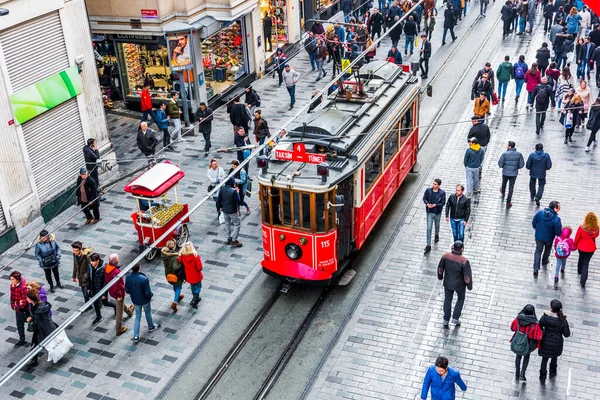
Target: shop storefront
[(318, 9), (277, 11), (224, 58)]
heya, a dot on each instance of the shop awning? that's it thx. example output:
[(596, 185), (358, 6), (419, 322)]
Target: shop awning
[(206, 26)]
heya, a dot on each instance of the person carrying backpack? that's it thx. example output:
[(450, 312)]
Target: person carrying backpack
[(519, 70), (563, 246), (526, 338), (541, 101)]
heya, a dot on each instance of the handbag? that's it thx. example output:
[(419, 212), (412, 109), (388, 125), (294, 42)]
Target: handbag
[(416, 41), (172, 278), (249, 189), (30, 326), (58, 347), (494, 99), (210, 187), (247, 153), (50, 260), (221, 218)]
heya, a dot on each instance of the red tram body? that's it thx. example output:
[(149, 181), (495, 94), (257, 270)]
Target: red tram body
[(329, 180)]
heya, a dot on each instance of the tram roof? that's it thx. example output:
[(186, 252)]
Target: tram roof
[(349, 128)]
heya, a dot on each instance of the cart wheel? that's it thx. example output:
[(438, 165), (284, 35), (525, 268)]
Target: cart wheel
[(184, 235), (151, 254)]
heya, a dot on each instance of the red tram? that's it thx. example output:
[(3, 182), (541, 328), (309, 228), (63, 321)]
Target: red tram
[(328, 181)]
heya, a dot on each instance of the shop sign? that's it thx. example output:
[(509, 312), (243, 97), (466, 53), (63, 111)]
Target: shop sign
[(180, 50), (135, 23), (149, 13), (300, 155), (46, 94)]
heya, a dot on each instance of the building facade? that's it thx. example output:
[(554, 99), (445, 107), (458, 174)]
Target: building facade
[(50, 104), (207, 50)]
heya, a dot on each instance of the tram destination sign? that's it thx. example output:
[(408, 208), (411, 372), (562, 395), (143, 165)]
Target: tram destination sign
[(299, 154)]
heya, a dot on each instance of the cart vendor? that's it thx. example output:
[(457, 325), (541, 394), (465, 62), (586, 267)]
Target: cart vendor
[(145, 205)]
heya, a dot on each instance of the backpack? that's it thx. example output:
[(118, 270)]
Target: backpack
[(519, 72), (520, 343), (257, 98), (563, 250), (542, 95)]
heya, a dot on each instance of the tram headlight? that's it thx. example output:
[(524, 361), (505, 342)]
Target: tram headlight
[(293, 251)]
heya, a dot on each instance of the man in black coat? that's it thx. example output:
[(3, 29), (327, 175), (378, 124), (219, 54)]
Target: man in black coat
[(267, 31), (586, 53), (146, 141), (239, 115), (458, 210), (595, 35), (97, 283), (507, 17), (449, 22), (87, 192), (480, 131), (376, 22), (204, 115), (228, 203), (541, 100), (425, 55), (455, 270), (91, 156)]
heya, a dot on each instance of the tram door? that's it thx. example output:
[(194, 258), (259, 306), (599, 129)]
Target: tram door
[(345, 230)]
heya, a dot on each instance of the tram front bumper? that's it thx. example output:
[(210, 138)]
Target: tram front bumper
[(293, 270)]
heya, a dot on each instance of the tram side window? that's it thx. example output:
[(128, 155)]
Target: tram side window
[(265, 201), (407, 122), (305, 210), (372, 169), (287, 207), (390, 146), (276, 206), (320, 210)]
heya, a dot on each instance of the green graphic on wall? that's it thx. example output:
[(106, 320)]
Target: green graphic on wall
[(46, 94)]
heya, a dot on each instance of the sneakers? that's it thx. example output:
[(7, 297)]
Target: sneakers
[(136, 339), (537, 202), (236, 244), (122, 331), (587, 150), (155, 327), (446, 323), (535, 274), (455, 322), (427, 249), (97, 320), (52, 289)]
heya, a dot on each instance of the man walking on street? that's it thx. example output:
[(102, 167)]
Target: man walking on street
[(18, 303), (97, 284), (425, 55), (320, 56), (410, 30), (81, 269), (92, 156), (472, 161), (434, 199), (204, 115), (504, 74), (441, 379), (309, 45), (146, 103), (87, 193), (162, 121), (117, 291), (174, 114), (239, 115), (455, 270), (138, 286), (449, 23), (376, 22), (547, 226), (511, 161), (458, 210), (480, 131), (290, 77), (538, 163), (541, 99), (228, 203), (146, 141)]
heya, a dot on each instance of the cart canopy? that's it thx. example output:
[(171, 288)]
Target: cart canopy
[(156, 181)]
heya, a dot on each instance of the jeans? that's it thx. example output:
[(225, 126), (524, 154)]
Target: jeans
[(451, 32), (311, 57), (166, 137), (138, 317), (464, 10), (320, 62), (145, 115), (540, 118), (540, 247), (521, 24), (176, 293), (93, 208), (381, 4), (544, 365), (540, 191), (21, 316), (49, 276), (502, 89), (472, 179), (431, 219), (424, 62), (292, 91), (519, 83), (458, 229), (196, 287), (207, 143), (561, 263), (448, 295), (559, 59), (232, 226), (409, 40), (530, 19), (177, 128), (518, 369), (511, 181), (583, 264), (482, 8)]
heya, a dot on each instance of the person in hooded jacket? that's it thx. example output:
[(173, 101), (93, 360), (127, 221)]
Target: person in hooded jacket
[(538, 163), (192, 265), (504, 74), (97, 284), (527, 323), (511, 161), (554, 327), (48, 255), (395, 56), (563, 251), (547, 226), (42, 322), (174, 271), (585, 241), (396, 32), (472, 161), (117, 292), (455, 270)]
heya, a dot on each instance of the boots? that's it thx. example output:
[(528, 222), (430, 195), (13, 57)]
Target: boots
[(552, 373), (181, 296), (543, 375), (174, 307), (195, 301)]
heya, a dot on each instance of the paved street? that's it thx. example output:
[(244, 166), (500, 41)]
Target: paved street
[(397, 332)]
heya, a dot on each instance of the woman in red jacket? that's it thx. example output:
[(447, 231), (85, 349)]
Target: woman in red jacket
[(532, 79), (527, 323), (585, 241), (192, 265)]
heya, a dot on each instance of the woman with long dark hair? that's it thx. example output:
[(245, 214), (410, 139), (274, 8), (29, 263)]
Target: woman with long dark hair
[(585, 241), (593, 124), (42, 322), (527, 323), (554, 326)]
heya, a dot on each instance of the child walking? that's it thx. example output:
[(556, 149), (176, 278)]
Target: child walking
[(563, 246)]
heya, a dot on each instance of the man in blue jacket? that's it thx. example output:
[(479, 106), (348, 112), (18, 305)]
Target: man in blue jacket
[(434, 199), (547, 226), (138, 287), (472, 162), (538, 163), (441, 379), (162, 121)]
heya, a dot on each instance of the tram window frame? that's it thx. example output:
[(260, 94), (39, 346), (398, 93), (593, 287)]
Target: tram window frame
[(265, 200), (370, 183), (387, 156)]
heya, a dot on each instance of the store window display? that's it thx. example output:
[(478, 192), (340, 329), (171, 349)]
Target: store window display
[(275, 27), (223, 58), (145, 63), (106, 64)]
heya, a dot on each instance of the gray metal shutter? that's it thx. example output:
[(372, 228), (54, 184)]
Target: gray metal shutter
[(3, 224), (34, 50), (54, 142)]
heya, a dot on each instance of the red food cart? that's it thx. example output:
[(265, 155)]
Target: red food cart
[(153, 218)]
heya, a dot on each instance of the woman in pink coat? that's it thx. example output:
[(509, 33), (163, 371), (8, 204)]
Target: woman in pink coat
[(532, 79)]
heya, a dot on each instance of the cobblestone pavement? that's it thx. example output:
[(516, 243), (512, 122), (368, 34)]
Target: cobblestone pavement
[(100, 365), (396, 332)]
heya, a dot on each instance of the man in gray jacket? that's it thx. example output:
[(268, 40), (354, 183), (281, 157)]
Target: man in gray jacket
[(455, 270), (511, 161), (290, 77)]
